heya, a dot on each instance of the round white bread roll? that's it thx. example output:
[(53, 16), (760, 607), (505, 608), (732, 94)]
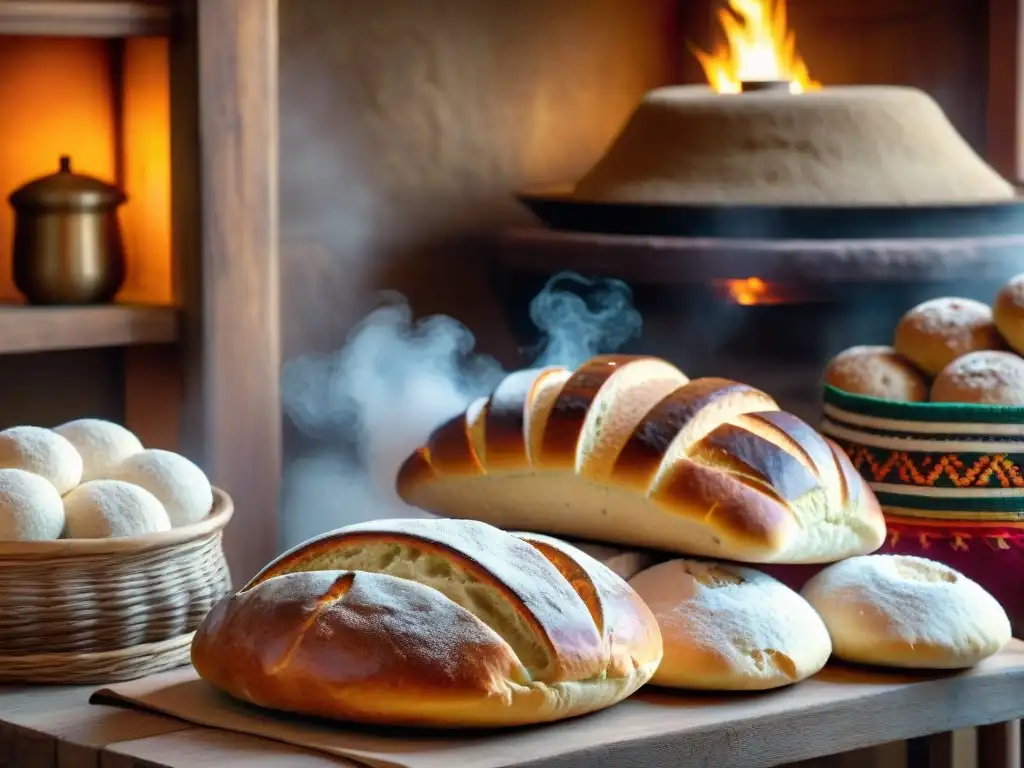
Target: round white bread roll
[(904, 611), (730, 628), (102, 444), (30, 507), (180, 485), (103, 509), (42, 452)]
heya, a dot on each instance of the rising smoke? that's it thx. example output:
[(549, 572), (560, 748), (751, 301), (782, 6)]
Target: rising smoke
[(397, 378)]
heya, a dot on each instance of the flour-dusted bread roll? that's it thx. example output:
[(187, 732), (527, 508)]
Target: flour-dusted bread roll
[(180, 485), (30, 507), (102, 444), (936, 332), (904, 611), (989, 377), (626, 450), (443, 623), (877, 371), (42, 452), (1008, 312), (730, 628), (101, 509)]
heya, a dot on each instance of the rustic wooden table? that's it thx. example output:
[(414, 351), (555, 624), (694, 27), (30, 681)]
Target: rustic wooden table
[(56, 727)]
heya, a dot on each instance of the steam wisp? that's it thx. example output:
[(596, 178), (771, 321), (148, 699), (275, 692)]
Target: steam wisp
[(397, 378)]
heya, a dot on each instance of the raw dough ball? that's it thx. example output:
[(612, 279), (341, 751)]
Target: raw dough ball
[(42, 452), (30, 507), (936, 332), (101, 509), (730, 628), (876, 371), (180, 485), (904, 611), (993, 378), (1008, 312), (102, 444)]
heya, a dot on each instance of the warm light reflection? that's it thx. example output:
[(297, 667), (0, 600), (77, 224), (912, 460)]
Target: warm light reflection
[(57, 99), (146, 221), (758, 47)]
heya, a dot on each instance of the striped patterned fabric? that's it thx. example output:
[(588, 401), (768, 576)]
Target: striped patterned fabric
[(950, 479)]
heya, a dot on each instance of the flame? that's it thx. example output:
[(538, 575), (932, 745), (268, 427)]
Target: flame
[(758, 47), (751, 291)]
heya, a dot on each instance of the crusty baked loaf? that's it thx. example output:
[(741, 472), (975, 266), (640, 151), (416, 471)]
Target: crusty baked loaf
[(904, 611), (876, 371), (936, 332), (1008, 312), (438, 623), (625, 451), (730, 628), (989, 377)]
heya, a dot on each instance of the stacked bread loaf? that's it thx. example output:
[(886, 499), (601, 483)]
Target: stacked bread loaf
[(91, 479), (948, 350), (625, 450)]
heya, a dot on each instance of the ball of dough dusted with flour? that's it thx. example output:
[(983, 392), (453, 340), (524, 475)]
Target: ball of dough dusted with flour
[(936, 332), (730, 628), (180, 485), (991, 378), (102, 444), (877, 371), (1008, 312), (30, 507), (102, 509), (904, 611), (42, 452)]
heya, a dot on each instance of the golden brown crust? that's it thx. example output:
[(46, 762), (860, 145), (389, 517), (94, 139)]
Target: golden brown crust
[(677, 413), (562, 432), (877, 371), (711, 469), (426, 630), (507, 413), (935, 332), (523, 576)]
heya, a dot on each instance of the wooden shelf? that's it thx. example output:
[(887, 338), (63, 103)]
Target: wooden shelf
[(46, 329), (85, 18)]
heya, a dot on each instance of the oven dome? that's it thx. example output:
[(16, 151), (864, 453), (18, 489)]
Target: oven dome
[(858, 145)]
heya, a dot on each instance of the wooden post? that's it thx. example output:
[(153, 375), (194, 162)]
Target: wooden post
[(224, 181), (1006, 88)]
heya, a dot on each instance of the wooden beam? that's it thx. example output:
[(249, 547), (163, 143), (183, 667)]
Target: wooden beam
[(224, 181), (1006, 88)]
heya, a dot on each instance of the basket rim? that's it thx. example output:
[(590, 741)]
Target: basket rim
[(220, 514), (925, 412)]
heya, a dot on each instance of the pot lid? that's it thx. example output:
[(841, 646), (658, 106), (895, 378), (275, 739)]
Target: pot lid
[(66, 190)]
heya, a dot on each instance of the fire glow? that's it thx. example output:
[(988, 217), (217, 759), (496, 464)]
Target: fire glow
[(750, 291), (759, 47)]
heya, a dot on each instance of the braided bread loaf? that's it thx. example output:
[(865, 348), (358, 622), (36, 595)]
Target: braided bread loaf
[(628, 450), (448, 623)]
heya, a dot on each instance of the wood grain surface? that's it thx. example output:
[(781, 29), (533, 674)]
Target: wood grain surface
[(55, 727)]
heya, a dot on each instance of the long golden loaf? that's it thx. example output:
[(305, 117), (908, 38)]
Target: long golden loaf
[(442, 623), (627, 450)]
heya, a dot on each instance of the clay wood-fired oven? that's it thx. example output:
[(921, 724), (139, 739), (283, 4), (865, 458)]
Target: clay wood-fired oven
[(767, 221)]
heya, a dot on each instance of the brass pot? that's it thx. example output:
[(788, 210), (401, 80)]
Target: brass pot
[(67, 242)]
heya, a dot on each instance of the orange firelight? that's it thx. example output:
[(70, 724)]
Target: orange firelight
[(758, 48)]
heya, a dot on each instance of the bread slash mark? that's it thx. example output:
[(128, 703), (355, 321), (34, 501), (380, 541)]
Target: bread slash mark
[(337, 590)]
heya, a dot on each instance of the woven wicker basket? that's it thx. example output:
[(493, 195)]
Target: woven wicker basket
[(950, 479), (101, 610)]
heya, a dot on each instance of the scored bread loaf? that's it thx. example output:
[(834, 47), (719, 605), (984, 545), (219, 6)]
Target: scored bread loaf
[(627, 450), (442, 623)]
